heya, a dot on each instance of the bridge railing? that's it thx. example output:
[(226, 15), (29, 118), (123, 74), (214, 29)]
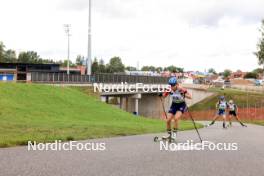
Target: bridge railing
[(64, 78), (39, 77)]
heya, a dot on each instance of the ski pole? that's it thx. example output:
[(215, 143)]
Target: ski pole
[(163, 108), (194, 124)]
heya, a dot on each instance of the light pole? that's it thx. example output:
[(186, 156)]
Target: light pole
[(89, 49), (67, 31)]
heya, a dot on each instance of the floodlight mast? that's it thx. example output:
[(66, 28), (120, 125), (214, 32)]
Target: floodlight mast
[(89, 49), (67, 31)]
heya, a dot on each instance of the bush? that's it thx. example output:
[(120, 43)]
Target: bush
[(251, 75)]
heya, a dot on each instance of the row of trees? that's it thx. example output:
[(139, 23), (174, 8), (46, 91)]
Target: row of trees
[(115, 64), (255, 74), (170, 68), (9, 56), (260, 46)]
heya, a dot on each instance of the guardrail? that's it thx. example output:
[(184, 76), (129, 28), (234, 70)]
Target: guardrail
[(250, 88), (63, 78)]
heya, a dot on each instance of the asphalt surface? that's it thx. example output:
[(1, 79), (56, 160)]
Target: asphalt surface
[(139, 155)]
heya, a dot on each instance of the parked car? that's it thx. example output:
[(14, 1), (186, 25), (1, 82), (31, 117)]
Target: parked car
[(227, 83), (259, 82)]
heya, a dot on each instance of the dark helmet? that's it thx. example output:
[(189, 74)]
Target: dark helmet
[(222, 97), (173, 81)]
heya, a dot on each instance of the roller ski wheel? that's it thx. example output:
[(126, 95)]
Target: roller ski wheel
[(169, 139), (156, 139), (206, 126)]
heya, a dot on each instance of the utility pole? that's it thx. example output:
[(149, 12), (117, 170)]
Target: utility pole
[(67, 31), (89, 49)]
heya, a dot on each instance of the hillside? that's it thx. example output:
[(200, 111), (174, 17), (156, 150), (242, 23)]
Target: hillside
[(46, 113), (250, 105), (241, 98)]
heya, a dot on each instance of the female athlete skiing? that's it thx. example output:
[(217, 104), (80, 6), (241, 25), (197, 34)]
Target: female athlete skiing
[(178, 106), (221, 107), (233, 110)]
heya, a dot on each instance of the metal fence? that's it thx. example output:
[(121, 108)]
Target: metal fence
[(63, 78), (244, 113), (252, 111), (249, 88)]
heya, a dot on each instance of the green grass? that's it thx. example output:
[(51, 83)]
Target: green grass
[(256, 122), (241, 98), (44, 113)]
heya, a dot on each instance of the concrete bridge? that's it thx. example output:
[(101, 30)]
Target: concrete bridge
[(130, 98), (148, 103)]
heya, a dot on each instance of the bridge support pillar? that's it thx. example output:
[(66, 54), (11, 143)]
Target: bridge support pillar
[(136, 106), (107, 99), (121, 103), (136, 97)]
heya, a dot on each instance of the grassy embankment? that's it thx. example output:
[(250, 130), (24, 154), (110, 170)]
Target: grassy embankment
[(43, 113), (242, 99)]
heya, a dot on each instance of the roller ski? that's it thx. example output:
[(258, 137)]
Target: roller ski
[(170, 137), (208, 125), (243, 125)]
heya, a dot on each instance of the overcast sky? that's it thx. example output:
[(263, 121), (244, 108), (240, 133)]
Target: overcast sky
[(194, 34)]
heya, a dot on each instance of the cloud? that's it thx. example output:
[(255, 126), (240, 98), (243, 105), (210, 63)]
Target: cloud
[(196, 12), (109, 8), (194, 34)]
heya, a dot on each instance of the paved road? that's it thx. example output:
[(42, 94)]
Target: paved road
[(139, 155)]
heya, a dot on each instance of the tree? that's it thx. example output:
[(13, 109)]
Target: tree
[(101, 66), (10, 56), (2, 52), (249, 75), (148, 68), (159, 69), (145, 68), (47, 61), (115, 65), (227, 73), (258, 71), (29, 57), (260, 46), (79, 60), (174, 69), (212, 70), (95, 66), (65, 63), (130, 68)]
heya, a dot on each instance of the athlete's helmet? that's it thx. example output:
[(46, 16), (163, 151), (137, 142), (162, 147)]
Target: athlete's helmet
[(222, 97), (173, 81), (231, 101)]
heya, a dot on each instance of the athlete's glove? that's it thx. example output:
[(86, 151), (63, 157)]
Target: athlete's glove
[(183, 91)]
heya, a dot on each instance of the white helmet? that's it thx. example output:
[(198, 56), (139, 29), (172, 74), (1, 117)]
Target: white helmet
[(231, 101)]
